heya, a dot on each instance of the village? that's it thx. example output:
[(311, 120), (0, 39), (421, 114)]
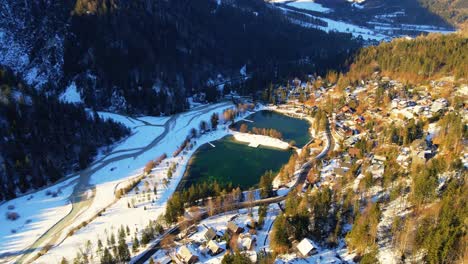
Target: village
[(247, 231)]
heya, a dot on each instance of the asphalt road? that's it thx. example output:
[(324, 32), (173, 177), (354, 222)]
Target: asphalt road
[(144, 256)]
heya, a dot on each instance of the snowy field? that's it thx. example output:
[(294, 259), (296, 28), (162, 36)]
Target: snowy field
[(37, 212), (151, 137), (119, 171), (309, 5)]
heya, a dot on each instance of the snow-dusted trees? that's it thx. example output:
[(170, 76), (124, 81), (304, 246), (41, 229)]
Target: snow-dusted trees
[(214, 121)]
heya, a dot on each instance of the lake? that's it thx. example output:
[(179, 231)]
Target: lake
[(233, 162), (291, 128)]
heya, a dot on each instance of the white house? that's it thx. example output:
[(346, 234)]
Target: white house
[(306, 247)]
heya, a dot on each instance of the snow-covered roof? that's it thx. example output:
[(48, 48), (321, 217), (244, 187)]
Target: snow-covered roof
[(306, 246)]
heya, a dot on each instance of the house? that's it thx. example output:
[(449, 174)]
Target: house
[(250, 223), (233, 228), (164, 260), (210, 234), (377, 170), (186, 255), (246, 241), (354, 152), (306, 247), (379, 159), (214, 248)]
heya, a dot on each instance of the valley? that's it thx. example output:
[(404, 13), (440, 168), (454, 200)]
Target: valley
[(233, 131)]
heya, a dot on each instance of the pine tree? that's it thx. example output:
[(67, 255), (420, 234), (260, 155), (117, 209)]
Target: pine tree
[(107, 257), (64, 261), (214, 121), (136, 244), (124, 253), (112, 239)]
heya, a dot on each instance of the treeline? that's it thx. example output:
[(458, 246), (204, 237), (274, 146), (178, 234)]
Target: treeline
[(182, 199), (42, 139), (414, 61), (271, 132)]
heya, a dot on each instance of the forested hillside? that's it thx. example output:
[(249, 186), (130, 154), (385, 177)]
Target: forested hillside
[(153, 54), (426, 57), (42, 139), (454, 11), (148, 56)]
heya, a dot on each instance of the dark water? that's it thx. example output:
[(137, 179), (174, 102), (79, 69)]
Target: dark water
[(232, 162), (291, 128)]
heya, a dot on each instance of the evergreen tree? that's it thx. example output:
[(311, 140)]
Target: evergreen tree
[(214, 121), (123, 252), (107, 257), (136, 244)]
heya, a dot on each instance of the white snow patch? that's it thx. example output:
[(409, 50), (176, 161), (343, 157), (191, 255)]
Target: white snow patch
[(309, 5), (71, 95), (37, 213), (256, 140)]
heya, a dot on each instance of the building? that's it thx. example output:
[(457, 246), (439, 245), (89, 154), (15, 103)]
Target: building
[(164, 260), (233, 228), (186, 255), (306, 247), (246, 241), (210, 234), (214, 248)]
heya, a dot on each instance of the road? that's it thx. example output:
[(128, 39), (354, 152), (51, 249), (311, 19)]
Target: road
[(144, 256), (80, 198)]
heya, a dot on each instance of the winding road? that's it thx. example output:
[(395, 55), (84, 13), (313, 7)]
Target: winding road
[(304, 170)]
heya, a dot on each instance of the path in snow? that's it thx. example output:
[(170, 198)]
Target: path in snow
[(82, 200)]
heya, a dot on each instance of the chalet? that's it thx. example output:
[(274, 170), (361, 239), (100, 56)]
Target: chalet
[(214, 248), (164, 260), (379, 159), (210, 234), (395, 102), (233, 228), (354, 152), (439, 105), (250, 223), (377, 170), (306, 247), (186, 255), (246, 241)]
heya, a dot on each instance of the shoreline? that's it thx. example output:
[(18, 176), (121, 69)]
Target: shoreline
[(247, 138)]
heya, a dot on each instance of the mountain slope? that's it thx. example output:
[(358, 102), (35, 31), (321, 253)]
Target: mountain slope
[(42, 139), (147, 56)]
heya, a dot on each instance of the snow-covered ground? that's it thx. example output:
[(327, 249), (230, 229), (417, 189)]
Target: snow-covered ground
[(148, 141), (397, 208), (309, 5), (71, 95), (38, 212), (219, 224), (110, 175), (256, 140), (338, 26)]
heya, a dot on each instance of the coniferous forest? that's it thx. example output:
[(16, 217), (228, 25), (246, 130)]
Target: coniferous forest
[(426, 57), (43, 139)]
